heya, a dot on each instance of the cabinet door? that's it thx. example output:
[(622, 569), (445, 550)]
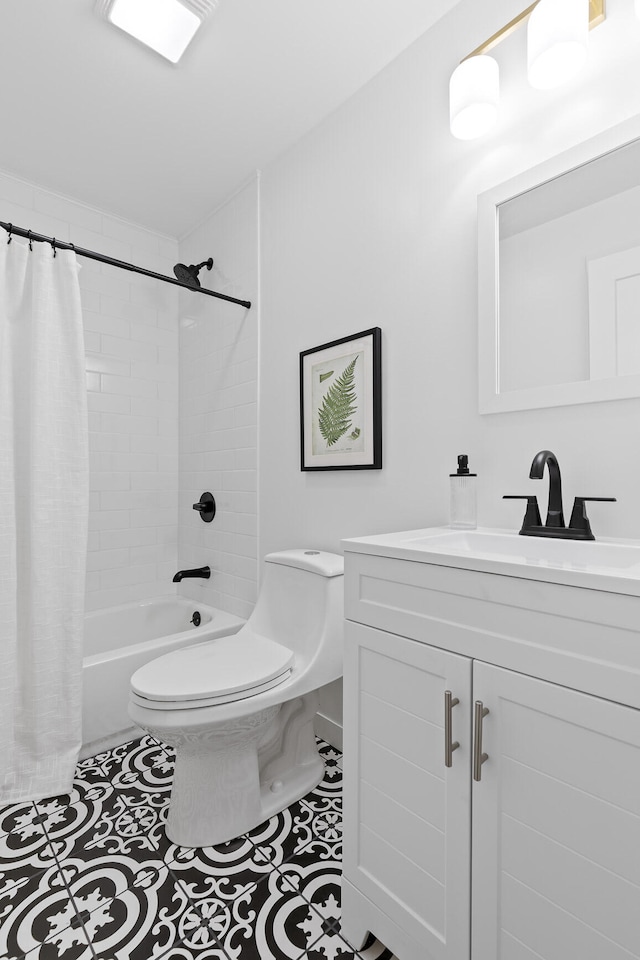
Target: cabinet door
[(407, 815), (556, 824)]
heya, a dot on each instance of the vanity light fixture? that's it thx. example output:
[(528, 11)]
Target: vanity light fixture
[(167, 26), (557, 38), (556, 49), (474, 93)]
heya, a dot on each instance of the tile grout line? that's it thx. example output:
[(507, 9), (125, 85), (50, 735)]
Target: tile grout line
[(68, 889)]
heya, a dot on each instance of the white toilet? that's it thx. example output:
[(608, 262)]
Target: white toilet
[(239, 709)]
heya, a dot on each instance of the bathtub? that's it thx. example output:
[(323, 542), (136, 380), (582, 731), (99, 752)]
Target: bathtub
[(119, 640)]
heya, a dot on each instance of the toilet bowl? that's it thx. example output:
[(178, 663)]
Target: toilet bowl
[(239, 709)]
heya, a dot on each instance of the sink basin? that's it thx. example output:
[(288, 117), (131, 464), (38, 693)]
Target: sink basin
[(504, 545), (612, 565)]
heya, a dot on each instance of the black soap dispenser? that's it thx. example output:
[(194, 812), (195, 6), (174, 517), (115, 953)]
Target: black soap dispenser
[(463, 500)]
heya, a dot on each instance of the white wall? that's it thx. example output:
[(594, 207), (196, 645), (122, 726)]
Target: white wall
[(131, 341), (371, 220), (218, 407)]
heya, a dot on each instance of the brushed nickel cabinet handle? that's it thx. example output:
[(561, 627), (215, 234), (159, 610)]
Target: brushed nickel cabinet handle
[(478, 756), (449, 703)]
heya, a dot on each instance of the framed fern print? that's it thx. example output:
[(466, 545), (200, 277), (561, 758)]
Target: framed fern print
[(341, 405)]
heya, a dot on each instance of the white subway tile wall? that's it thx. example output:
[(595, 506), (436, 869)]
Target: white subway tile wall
[(131, 342), (218, 408)]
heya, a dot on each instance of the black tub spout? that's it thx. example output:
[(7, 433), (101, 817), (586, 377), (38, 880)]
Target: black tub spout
[(203, 572)]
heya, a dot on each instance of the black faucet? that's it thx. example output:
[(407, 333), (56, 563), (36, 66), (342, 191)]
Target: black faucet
[(555, 516), (579, 527), (204, 572)]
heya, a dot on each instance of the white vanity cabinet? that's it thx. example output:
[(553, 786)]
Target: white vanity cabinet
[(407, 823), (539, 859), (556, 823)]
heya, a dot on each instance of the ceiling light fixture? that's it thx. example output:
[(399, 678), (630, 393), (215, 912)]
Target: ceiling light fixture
[(557, 40), (167, 26)]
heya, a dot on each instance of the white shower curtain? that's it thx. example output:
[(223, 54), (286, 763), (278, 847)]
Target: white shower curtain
[(44, 504)]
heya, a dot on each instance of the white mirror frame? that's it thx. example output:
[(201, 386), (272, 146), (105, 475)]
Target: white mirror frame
[(491, 400)]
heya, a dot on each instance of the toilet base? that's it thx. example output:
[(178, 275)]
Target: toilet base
[(231, 776), (213, 797), (290, 765)]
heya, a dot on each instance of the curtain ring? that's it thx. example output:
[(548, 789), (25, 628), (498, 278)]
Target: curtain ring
[(10, 232), (29, 237), (53, 246)]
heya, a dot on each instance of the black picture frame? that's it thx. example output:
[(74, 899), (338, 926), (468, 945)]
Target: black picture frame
[(341, 403)]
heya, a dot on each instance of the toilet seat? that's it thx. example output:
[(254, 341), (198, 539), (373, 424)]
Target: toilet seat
[(216, 671)]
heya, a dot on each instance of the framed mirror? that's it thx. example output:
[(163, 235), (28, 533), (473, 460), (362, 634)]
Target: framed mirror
[(559, 279)]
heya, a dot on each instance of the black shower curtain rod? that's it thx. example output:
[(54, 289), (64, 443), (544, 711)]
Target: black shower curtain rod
[(122, 264)]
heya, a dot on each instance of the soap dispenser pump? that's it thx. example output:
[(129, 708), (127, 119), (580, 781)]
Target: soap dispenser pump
[(463, 506)]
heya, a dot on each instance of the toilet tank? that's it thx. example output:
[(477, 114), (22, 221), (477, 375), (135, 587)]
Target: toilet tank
[(301, 605)]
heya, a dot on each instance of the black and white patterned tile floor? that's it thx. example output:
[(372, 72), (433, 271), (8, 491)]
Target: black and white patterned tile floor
[(92, 875)]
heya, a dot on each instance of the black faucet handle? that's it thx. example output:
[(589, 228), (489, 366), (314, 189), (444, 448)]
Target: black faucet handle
[(206, 507), (596, 500), (579, 519), (532, 516)]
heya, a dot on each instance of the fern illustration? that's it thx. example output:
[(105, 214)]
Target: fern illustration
[(325, 376), (338, 406)]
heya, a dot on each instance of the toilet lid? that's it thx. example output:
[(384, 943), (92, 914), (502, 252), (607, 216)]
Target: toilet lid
[(213, 669)]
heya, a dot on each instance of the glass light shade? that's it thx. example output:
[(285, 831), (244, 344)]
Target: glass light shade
[(166, 26), (474, 92), (557, 38)]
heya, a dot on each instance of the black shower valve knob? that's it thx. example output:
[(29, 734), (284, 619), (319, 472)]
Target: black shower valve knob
[(206, 507)]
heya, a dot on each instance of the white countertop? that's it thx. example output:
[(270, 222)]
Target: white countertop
[(605, 564)]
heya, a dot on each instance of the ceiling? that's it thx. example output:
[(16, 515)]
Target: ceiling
[(88, 112)]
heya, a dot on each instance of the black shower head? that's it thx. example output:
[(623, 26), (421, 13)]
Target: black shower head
[(190, 274)]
